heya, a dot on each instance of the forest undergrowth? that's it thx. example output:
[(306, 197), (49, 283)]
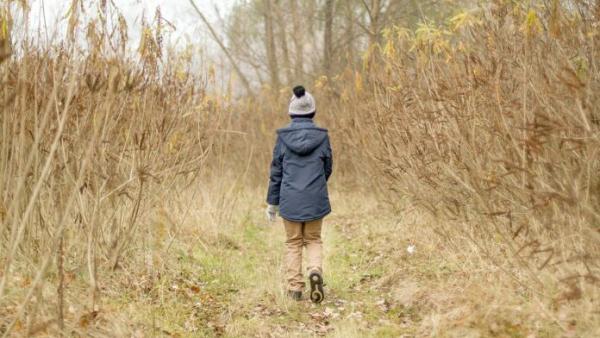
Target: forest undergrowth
[(225, 279), (465, 187)]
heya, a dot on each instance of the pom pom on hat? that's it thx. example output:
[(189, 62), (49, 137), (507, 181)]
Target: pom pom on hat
[(299, 91)]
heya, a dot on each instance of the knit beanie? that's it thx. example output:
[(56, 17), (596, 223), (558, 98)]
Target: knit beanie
[(301, 103)]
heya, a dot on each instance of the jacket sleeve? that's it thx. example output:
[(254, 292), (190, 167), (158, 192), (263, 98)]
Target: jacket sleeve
[(276, 174), (328, 159)]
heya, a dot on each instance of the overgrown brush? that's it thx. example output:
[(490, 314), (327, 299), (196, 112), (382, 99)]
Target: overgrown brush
[(91, 141), (489, 122), (492, 124)]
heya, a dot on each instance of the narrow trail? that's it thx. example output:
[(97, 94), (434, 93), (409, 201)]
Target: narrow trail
[(250, 300), (354, 304), (228, 281), (232, 285)]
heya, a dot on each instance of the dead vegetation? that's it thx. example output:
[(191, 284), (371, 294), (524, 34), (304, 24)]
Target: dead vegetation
[(126, 183), (491, 125), (91, 141)]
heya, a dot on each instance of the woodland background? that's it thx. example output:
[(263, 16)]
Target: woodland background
[(132, 180)]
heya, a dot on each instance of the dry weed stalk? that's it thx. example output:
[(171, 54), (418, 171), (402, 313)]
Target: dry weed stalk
[(492, 124), (90, 141)]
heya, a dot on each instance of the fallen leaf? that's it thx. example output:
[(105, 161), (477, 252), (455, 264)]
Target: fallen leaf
[(384, 305), (87, 318)]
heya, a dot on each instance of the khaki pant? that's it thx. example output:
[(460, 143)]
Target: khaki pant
[(299, 235)]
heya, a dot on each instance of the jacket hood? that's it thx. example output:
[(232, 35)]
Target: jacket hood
[(302, 138)]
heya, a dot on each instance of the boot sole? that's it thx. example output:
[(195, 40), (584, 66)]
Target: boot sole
[(316, 288)]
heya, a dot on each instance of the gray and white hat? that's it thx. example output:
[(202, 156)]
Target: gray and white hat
[(301, 103)]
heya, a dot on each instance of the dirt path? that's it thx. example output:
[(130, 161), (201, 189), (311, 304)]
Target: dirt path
[(227, 281), (233, 286), (208, 274)]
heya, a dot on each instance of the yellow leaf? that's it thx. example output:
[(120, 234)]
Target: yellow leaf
[(532, 24), (463, 19), (368, 54), (389, 50), (358, 82), (321, 82), (3, 29)]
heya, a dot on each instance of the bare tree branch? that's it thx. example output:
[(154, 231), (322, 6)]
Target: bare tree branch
[(218, 40), (366, 5)]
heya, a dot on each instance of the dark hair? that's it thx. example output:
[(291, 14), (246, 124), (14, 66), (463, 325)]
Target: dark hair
[(307, 116)]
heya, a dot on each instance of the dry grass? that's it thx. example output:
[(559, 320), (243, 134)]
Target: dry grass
[(91, 141), (131, 199), (226, 279), (491, 125)]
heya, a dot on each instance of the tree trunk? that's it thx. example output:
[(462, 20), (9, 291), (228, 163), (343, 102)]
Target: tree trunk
[(328, 38), (282, 32), (350, 55), (297, 37), (374, 24), (270, 45)]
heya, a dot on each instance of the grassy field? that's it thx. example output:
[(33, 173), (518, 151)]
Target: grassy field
[(204, 279)]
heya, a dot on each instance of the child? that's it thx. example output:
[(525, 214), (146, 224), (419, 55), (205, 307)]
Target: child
[(302, 163)]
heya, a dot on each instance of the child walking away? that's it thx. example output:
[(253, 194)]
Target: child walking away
[(301, 165)]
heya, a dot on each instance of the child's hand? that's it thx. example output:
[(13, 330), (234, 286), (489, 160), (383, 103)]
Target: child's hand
[(272, 212)]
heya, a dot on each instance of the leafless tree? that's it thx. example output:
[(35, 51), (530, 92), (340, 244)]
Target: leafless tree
[(328, 37), (270, 44)]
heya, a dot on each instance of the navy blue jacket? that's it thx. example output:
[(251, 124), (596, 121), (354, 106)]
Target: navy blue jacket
[(302, 163)]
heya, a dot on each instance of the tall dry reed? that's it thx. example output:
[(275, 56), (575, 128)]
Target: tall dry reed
[(491, 123), (91, 139)]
